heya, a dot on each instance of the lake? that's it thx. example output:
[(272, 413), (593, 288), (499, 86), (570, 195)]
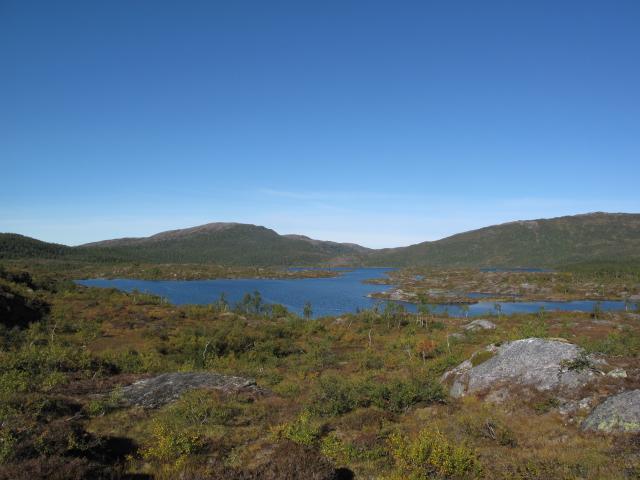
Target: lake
[(345, 293)]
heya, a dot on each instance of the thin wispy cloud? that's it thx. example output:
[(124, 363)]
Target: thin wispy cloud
[(336, 195)]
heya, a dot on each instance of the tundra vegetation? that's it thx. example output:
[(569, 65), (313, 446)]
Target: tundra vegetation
[(356, 396), (78, 269), (593, 281)]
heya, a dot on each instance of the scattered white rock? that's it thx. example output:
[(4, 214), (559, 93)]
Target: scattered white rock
[(479, 324), (617, 373)]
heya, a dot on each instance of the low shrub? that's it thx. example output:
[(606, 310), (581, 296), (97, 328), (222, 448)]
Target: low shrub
[(203, 407), (546, 405), (625, 343), (398, 395), (7, 444), (104, 405), (481, 357), (431, 455), (489, 428), (337, 396), (536, 328), (294, 461), (343, 453)]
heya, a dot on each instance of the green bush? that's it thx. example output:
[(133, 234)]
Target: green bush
[(335, 396), (169, 445), (303, 430)]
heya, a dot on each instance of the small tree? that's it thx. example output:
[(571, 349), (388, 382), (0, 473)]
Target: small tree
[(307, 311), (393, 311), (465, 309), (426, 348), (222, 304), (257, 302), (278, 311), (597, 310), (498, 308), (245, 305), (541, 313), (424, 310)]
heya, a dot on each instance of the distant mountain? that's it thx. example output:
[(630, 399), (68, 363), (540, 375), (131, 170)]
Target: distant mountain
[(537, 243), (230, 244)]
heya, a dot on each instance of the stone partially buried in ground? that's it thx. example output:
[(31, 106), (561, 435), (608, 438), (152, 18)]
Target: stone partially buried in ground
[(479, 324), (533, 363), (168, 387), (618, 413)]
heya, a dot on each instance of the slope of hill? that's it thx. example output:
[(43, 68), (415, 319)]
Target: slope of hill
[(13, 245), (539, 243)]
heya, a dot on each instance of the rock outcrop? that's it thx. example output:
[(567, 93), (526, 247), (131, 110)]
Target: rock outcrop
[(618, 413), (532, 363), (168, 387)]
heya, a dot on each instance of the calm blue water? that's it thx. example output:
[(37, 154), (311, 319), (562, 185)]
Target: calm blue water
[(328, 296)]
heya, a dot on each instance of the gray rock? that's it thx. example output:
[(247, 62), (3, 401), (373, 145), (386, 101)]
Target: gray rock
[(533, 362), (618, 413), (168, 387), (480, 324)]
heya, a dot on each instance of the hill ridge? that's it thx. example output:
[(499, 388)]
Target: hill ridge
[(594, 236)]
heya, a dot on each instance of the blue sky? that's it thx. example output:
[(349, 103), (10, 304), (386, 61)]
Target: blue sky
[(382, 123)]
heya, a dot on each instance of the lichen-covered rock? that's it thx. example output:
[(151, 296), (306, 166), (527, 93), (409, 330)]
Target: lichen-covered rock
[(618, 413), (479, 324), (533, 363), (168, 387)]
